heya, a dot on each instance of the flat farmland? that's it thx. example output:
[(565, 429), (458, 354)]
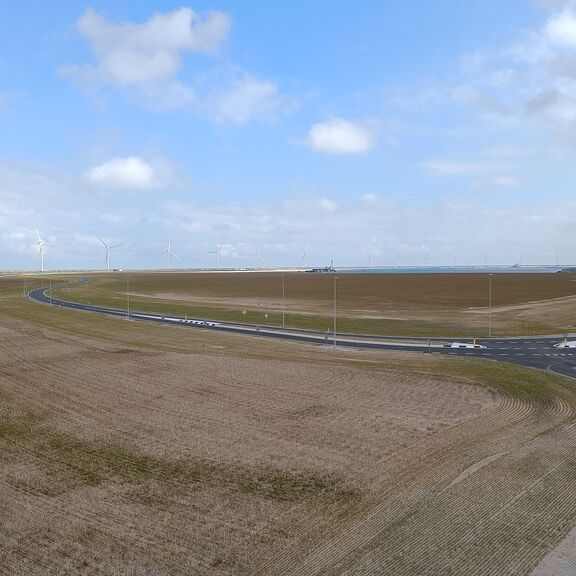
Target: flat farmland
[(136, 449), (387, 304)]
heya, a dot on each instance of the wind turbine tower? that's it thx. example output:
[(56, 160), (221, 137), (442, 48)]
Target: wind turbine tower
[(218, 253), (41, 245), (259, 259), (304, 257), (170, 253), (108, 247)]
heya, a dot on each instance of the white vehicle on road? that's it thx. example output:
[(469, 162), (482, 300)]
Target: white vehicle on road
[(464, 345), (566, 344)]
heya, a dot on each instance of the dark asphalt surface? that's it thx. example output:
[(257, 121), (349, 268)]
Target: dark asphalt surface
[(534, 352)]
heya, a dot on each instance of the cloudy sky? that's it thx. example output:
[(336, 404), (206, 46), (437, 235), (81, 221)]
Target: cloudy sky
[(406, 132)]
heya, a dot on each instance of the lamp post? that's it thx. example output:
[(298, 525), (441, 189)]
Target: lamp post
[(128, 296), (490, 305), (283, 302), (335, 278)]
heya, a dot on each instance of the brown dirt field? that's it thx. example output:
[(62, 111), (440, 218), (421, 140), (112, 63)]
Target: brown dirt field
[(362, 292), (129, 449), (401, 304)]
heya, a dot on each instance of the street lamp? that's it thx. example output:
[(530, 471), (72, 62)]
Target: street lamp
[(128, 296), (283, 302), (335, 278), (490, 305)]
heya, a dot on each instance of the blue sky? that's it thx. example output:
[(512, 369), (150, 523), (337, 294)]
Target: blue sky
[(410, 132)]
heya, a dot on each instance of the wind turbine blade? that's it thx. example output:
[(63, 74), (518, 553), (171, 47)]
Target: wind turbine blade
[(104, 243), (38, 234), (115, 246), (175, 255)]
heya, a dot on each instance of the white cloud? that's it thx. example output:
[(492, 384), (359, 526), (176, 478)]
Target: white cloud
[(127, 173), (496, 182), (327, 204), (370, 198), (458, 168), (339, 136), (138, 54), (490, 173), (144, 61), (529, 86), (351, 230), (561, 28), (245, 99), (69, 215)]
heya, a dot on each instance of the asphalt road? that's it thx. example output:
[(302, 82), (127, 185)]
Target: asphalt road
[(534, 352)]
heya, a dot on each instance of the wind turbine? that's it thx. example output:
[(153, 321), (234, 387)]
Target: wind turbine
[(170, 253), (108, 248), (304, 256), (259, 259), (41, 245), (218, 253)]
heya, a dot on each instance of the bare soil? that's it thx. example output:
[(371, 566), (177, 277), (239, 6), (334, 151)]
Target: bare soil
[(116, 456), (400, 304), (134, 449)]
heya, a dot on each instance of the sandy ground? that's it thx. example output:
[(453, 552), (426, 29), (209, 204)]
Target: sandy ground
[(525, 306), (561, 561)]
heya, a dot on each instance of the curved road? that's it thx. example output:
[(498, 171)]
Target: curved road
[(537, 352)]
